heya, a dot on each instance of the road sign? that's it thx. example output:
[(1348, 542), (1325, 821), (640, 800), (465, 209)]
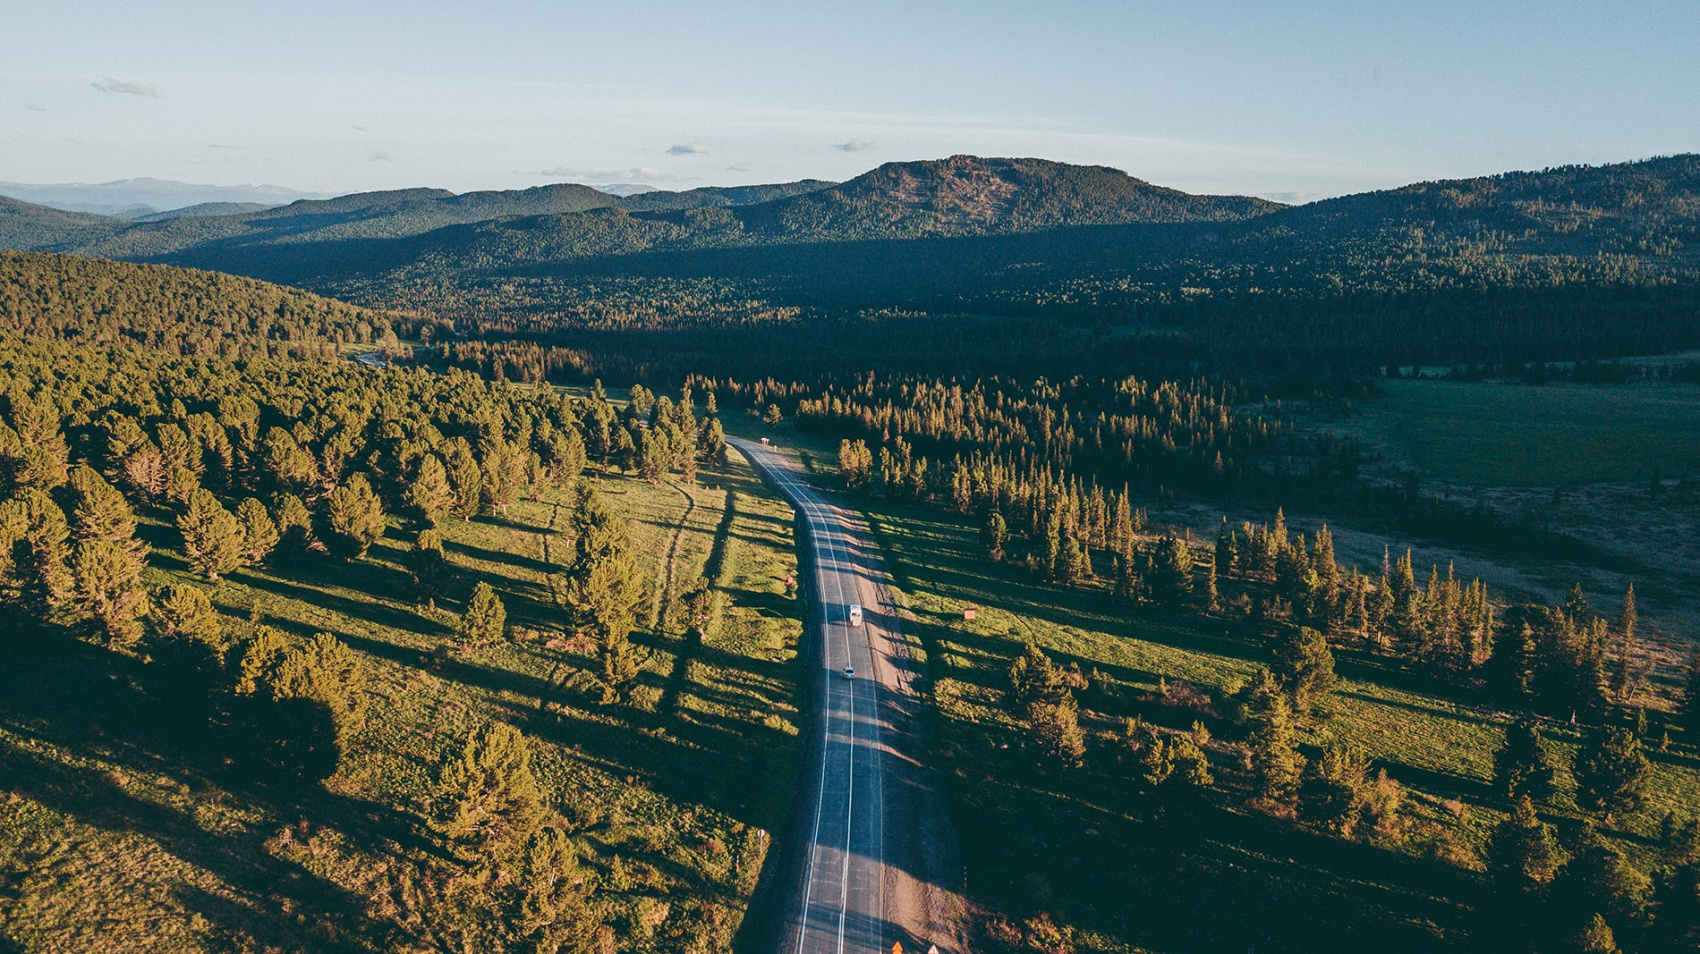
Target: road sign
[(932, 949)]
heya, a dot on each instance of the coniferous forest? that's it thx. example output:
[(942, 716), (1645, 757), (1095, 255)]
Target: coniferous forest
[(376, 573)]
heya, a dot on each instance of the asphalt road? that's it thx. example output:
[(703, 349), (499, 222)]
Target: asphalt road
[(865, 880)]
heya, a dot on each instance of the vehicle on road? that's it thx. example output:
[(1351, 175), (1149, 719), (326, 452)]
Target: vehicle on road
[(855, 615), (849, 672)]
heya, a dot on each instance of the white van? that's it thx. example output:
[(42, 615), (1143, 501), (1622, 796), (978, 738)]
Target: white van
[(855, 615)]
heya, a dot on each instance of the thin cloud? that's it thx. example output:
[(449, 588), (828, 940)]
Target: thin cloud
[(357, 127), (36, 109), (637, 174), (694, 149), (112, 84), (378, 155), (854, 145), (220, 145), (737, 168)]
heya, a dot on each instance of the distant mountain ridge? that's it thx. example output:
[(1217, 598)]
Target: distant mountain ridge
[(146, 195)]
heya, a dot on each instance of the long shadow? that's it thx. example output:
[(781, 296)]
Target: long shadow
[(90, 701), (380, 614), (501, 556)]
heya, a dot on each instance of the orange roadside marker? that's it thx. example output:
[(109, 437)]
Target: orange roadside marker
[(897, 948)]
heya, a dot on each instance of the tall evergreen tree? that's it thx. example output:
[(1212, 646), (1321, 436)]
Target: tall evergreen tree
[(1523, 856), (212, 536), (430, 496), (1304, 666), (354, 518), (605, 587), (259, 533), (109, 588), (1171, 571), (485, 798), (428, 565), (1276, 764), (1524, 765), (1612, 771), (485, 620)]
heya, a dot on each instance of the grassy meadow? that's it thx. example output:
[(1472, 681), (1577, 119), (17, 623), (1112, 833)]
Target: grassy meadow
[(114, 829), (1510, 435)]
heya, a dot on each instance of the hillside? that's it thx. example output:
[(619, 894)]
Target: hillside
[(179, 311)]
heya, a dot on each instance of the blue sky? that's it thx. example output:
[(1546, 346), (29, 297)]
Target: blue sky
[(1281, 99)]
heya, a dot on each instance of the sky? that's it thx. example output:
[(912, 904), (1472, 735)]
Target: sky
[(1287, 100)]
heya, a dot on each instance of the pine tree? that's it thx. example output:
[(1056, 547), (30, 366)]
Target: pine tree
[(109, 588), (1597, 938), (212, 536), (466, 478), (994, 537), (1157, 762), (1171, 573), (259, 533), (485, 620), (1055, 729), (564, 455), (1034, 678), (605, 587), (428, 565), (100, 513), (1612, 772), (430, 496), (1524, 765), (1523, 856), (182, 611), (294, 526), (1304, 667), (354, 518), (502, 473), (1275, 761), (485, 799), (1333, 792)]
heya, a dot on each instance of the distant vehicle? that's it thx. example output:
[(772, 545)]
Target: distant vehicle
[(849, 672), (855, 615), (766, 441)]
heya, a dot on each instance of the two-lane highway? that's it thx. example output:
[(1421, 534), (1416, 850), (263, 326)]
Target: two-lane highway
[(857, 892)]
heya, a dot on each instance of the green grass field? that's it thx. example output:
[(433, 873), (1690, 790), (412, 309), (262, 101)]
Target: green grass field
[(1510, 435), (109, 833)]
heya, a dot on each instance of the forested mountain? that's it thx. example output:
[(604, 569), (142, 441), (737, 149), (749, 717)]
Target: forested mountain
[(177, 311), (1566, 263)]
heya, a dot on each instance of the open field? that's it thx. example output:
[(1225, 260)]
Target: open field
[(111, 828), (1497, 435)]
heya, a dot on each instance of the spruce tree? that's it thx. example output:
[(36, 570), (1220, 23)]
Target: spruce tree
[(428, 565), (1597, 938), (1171, 572), (1612, 772), (466, 478), (354, 518), (295, 526), (259, 533), (212, 536), (485, 799), (1304, 667), (1055, 730), (485, 620), (100, 513), (1524, 765), (502, 475), (1333, 792), (1522, 855), (430, 496), (564, 455), (1276, 764), (109, 588), (605, 587), (37, 558), (183, 611)]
